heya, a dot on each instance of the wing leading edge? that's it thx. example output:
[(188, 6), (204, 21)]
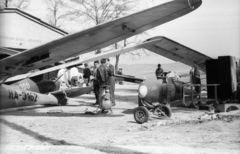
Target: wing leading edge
[(95, 38)]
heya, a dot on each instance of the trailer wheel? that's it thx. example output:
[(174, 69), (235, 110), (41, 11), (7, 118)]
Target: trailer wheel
[(163, 111), (167, 111), (141, 114)]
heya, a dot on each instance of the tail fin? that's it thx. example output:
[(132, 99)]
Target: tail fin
[(195, 78)]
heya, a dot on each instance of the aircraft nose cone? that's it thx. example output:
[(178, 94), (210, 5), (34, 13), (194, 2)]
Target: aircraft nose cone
[(142, 91)]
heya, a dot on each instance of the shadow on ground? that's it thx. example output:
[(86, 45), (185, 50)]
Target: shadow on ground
[(114, 149), (33, 134), (61, 113)]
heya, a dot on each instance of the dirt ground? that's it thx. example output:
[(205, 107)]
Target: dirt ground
[(66, 129)]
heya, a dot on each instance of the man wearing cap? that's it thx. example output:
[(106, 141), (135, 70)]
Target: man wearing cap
[(103, 74), (111, 81), (159, 71)]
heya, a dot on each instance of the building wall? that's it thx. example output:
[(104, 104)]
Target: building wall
[(22, 32)]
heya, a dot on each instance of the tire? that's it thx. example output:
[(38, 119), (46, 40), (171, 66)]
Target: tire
[(141, 115), (163, 111), (167, 111)]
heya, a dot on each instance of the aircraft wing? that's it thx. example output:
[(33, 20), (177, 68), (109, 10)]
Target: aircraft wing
[(178, 52), (79, 62), (95, 38)]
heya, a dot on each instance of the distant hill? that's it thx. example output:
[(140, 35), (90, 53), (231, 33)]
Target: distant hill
[(148, 70)]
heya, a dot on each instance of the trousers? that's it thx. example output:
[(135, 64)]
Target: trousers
[(112, 89)]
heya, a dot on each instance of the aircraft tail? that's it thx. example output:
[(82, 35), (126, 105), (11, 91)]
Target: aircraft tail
[(195, 78)]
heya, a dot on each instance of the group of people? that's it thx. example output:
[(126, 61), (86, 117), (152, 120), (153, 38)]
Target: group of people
[(68, 78), (100, 75)]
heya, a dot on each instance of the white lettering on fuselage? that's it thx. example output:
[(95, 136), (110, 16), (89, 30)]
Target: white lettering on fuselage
[(152, 88), (25, 96), (23, 86)]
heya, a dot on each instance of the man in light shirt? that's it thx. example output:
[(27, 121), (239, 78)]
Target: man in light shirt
[(74, 76), (63, 78), (111, 81)]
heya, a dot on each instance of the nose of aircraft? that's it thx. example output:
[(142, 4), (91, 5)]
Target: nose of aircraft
[(142, 91)]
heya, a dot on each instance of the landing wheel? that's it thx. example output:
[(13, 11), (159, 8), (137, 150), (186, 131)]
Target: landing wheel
[(141, 114), (163, 111)]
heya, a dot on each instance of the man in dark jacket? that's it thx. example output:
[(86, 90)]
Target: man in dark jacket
[(86, 74), (95, 82), (103, 76), (111, 82), (159, 71)]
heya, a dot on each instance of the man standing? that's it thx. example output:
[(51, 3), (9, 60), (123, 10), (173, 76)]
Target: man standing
[(103, 74), (74, 76), (86, 74), (119, 72), (63, 78), (111, 81), (95, 82), (159, 71)]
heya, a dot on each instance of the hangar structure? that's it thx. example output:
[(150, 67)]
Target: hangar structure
[(21, 31)]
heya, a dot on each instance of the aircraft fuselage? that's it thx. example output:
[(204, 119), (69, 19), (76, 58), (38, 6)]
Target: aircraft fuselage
[(11, 97), (43, 86), (45, 92), (155, 91)]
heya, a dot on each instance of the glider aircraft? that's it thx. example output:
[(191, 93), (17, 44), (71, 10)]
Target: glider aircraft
[(34, 92)]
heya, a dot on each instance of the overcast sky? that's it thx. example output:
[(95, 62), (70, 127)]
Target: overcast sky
[(213, 29)]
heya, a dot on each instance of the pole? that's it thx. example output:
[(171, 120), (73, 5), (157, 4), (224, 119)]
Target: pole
[(6, 3)]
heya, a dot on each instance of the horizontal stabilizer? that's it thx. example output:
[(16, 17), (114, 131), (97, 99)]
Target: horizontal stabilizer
[(128, 78), (73, 92)]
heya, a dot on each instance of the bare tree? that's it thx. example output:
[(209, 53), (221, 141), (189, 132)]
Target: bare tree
[(2, 4), (19, 4), (133, 54), (100, 11), (58, 12)]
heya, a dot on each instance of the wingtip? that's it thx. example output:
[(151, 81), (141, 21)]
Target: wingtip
[(193, 4)]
